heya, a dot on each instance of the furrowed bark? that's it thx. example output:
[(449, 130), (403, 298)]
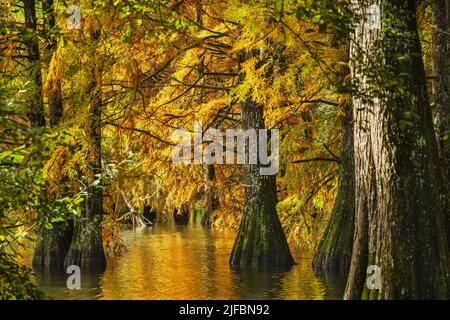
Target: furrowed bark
[(441, 86), (399, 223)]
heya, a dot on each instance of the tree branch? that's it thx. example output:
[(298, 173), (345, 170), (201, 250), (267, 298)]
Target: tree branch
[(316, 159)]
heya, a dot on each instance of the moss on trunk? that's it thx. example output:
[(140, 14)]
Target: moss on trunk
[(86, 250), (335, 248)]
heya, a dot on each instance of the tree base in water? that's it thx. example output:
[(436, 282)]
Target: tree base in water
[(86, 250), (181, 217), (335, 248), (206, 221), (261, 242), (52, 246)]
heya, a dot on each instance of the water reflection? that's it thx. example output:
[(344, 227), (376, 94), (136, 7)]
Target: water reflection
[(188, 262), (53, 283), (335, 281)]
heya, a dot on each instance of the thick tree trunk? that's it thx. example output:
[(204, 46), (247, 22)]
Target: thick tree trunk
[(260, 241), (212, 200), (441, 86), (52, 245), (36, 106), (335, 248), (86, 249), (399, 223)]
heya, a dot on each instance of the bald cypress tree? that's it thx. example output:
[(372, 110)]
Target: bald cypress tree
[(52, 244), (86, 249), (260, 241)]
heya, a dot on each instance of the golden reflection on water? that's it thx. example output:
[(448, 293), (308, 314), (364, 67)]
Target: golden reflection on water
[(188, 262)]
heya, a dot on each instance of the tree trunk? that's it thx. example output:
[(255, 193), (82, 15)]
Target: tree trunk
[(441, 111), (212, 200), (36, 106), (52, 245), (54, 96), (86, 249), (260, 241), (399, 223), (335, 248)]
